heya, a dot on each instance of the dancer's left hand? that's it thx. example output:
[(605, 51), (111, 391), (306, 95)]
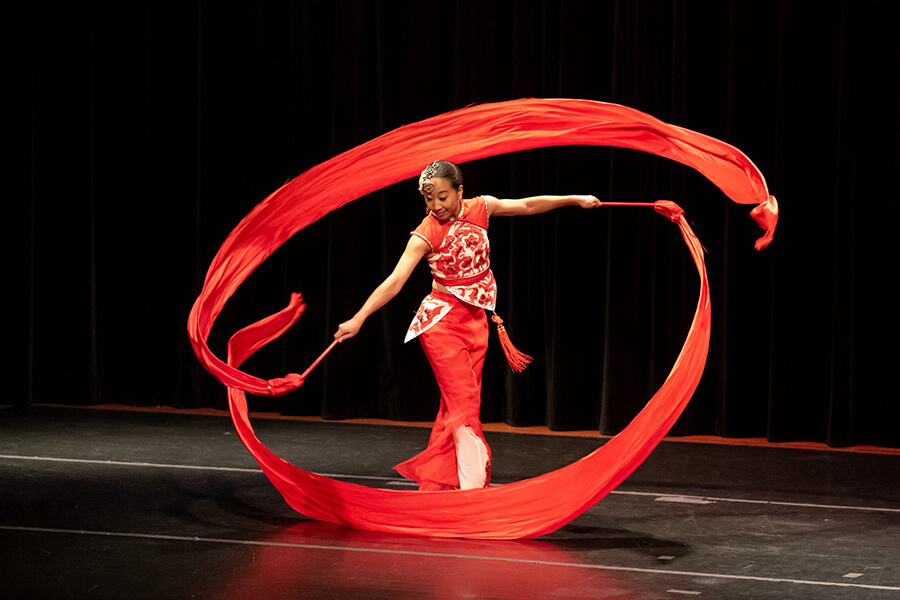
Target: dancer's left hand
[(587, 201)]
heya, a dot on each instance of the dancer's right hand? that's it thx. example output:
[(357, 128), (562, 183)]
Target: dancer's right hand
[(347, 330)]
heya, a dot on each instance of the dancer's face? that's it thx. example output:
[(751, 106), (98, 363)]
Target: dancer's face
[(443, 200)]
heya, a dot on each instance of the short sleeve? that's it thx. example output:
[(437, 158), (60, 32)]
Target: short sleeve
[(478, 212), (425, 231)]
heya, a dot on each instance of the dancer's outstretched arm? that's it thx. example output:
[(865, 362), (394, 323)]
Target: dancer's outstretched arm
[(537, 204), (415, 250)]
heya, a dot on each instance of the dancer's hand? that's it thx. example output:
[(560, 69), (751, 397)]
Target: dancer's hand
[(347, 329), (587, 201)]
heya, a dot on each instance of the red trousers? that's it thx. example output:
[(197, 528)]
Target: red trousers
[(455, 347)]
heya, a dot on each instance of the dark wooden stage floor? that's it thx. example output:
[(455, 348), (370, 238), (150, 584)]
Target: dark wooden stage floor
[(124, 504)]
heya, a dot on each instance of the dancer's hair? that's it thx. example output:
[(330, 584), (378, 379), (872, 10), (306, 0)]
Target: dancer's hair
[(440, 168)]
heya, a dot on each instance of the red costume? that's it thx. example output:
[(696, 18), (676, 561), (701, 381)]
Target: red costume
[(453, 330)]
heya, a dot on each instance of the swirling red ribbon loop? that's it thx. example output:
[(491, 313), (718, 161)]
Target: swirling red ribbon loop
[(517, 510)]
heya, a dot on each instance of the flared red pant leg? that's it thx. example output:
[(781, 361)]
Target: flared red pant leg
[(457, 453)]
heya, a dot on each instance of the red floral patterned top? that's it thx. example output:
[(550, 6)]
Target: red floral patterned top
[(459, 259)]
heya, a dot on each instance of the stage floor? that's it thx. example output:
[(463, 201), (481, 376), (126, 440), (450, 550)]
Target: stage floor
[(123, 504)]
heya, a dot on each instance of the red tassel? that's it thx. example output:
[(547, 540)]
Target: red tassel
[(517, 360)]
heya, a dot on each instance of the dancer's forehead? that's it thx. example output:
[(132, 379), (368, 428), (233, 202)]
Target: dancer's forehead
[(440, 185)]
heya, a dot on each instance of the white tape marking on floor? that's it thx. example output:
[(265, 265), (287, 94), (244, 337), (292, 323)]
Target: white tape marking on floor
[(121, 463), (171, 466), (684, 500), (180, 538), (712, 499), (658, 496)]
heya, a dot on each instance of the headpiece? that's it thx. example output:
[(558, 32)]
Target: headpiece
[(425, 185)]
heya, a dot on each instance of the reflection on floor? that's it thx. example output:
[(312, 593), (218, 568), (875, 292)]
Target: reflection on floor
[(114, 504)]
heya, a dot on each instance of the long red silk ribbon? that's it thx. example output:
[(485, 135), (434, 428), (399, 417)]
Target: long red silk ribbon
[(523, 509)]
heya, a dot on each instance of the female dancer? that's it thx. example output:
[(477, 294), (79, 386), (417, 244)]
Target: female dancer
[(450, 322)]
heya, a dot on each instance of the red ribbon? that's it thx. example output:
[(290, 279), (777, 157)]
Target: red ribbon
[(525, 508)]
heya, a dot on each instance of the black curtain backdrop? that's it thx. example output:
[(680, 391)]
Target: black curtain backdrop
[(148, 132)]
